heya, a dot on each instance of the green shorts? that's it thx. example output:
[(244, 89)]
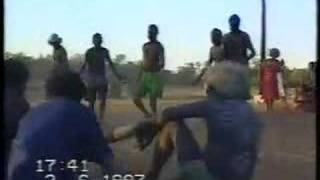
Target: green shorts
[(152, 84)]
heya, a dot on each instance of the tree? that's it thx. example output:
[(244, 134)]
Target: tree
[(119, 59), (186, 74)]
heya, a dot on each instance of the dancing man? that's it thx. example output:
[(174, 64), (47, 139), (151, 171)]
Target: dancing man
[(150, 81), (96, 79)]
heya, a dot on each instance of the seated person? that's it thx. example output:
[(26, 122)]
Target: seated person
[(233, 128), (305, 94), (60, 129)]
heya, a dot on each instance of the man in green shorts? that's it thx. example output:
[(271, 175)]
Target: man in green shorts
[(150, 81)]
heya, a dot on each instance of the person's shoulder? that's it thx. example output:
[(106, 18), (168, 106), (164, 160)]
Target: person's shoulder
[(216, 48), (244, 34), (227, 35), (212, 48), (62, 49), (160, 44), (146, 44), (105, 49), (89, 50)]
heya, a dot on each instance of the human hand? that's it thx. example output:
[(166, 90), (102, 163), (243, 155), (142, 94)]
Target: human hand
[(145, 132)]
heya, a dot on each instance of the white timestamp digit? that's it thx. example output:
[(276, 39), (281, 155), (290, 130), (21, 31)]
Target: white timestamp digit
[(50, 162), (125, 177), (50, 177), (84, 166), (117, 177), (72, 164), (128, 177), (139, 176), (39, 166), (83, 177)]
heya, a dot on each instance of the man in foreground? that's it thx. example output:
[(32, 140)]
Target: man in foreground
[(149, 77), (58, 130), (15, 102), (233, 128), (95, 77)]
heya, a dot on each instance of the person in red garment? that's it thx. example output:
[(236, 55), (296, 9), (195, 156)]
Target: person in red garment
[(269, 81)]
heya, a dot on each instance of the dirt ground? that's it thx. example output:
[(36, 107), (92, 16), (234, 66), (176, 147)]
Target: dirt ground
[(287, 147)]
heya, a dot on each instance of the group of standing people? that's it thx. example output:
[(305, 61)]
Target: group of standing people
[(232, 47), (93, 70)]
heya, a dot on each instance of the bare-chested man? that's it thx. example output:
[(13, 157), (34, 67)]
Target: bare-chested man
[(237, 42), (60, 56), (96, 79), (216, 51), (149, 76)]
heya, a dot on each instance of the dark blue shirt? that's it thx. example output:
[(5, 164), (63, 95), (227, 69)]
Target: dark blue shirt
[(61, 130)]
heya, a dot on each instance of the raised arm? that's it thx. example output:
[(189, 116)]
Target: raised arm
[(85, 62), (180, 112), (162, 57), (203, 71)]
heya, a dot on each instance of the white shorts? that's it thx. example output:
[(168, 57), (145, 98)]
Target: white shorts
[(94, 80)]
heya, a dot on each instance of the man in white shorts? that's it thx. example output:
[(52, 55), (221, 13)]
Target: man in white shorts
[(95, 78)]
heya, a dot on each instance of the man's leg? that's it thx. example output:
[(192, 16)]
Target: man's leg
[(102, 108), (138, 102), (153, 105), (163, 149), (102, 93), (173, 136), (91, 97)]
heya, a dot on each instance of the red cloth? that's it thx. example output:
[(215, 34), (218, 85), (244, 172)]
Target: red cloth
[(268, 79)]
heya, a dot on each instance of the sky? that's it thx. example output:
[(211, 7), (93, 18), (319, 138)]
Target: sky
[(184, 26)]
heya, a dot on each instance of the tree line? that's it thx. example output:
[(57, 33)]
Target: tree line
[(183, 76)]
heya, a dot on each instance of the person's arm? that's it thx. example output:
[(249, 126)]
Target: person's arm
[(85, 62), (204, 70), (65, 55), (114, 70), (250, 47), (121, 133), (191, 110), (142, 63), (162, 57), (140, 72)]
